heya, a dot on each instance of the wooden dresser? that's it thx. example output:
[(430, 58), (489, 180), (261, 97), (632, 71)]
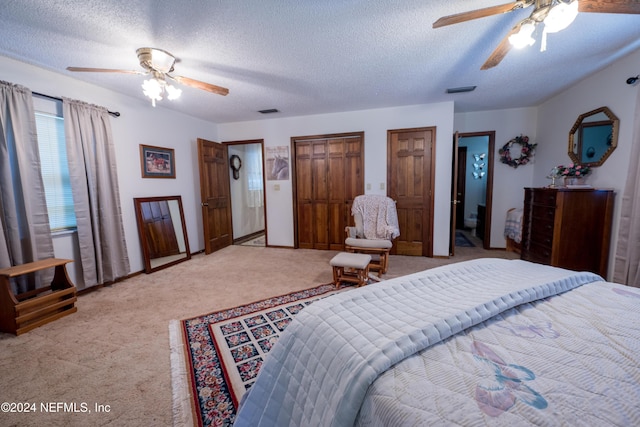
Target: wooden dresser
[(568, 228)]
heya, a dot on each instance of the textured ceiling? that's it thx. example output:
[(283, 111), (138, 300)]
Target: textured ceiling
[(308, 57)]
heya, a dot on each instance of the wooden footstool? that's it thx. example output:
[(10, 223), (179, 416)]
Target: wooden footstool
[(350, 268)]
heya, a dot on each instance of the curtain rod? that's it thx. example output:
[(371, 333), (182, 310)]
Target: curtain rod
[(55, 98)]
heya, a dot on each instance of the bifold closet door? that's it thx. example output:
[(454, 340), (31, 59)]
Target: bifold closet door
[(328, 178)]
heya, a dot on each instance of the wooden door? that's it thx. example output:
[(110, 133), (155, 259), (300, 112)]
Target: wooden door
[(214, 194), (328, 176), (454, 197), (158, 227), (311, 192), (461, 178), (410, 168)]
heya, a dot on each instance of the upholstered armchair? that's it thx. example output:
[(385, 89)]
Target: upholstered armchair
[(376, 226)]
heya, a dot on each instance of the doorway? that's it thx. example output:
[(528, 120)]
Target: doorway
[(246, 188), (474, 180)]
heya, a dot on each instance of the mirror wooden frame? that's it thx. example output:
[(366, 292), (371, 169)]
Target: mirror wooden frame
[(577, 132), (162, 231)]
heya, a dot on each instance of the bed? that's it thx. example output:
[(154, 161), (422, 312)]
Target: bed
[(483, 342), (513, 230)]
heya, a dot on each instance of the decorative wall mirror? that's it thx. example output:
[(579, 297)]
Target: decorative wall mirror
[(162, 230), (593, 137)]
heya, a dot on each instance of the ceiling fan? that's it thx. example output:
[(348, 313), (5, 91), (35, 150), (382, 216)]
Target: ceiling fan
[(158, 63), (554, 14)]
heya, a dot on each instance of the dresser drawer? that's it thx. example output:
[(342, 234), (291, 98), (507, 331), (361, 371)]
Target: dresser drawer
[(544, 197), (541, 229), (542, 213), (537, 253), (542, 240)]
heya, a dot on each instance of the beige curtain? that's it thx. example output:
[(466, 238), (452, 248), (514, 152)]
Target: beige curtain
[(254, 194), (627, 260), (25, 235), (96, 198)]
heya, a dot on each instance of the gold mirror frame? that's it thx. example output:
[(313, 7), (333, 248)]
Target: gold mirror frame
[(162, 230), (599, 128)]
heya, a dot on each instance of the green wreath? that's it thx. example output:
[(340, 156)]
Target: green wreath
[(526, 152)]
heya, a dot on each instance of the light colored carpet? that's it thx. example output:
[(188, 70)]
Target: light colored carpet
[(115, 350)]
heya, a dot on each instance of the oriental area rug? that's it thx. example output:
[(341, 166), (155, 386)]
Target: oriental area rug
[(216, 357)]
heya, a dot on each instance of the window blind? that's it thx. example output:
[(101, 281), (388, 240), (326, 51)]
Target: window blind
[(55, 171)]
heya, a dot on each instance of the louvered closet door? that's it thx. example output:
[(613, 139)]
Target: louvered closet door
[(328, 178)]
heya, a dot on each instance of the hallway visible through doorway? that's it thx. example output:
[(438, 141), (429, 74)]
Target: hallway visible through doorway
[(256, 239)]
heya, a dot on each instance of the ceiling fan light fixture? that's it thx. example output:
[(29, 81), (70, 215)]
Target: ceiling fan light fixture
[(158, 64), (560, 16), (173, 92), (152, 89), (162, 60), (155, 87), (523, 37)]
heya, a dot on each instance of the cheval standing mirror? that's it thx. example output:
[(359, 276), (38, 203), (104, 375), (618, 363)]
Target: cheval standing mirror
[(162, 230)]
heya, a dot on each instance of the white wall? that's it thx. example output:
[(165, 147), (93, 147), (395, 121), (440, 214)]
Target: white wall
[(139, 123), (556, 117), (548, 125), (375, 124), (508, 183)]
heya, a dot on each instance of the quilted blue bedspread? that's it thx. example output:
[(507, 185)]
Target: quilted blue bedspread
[(321, 367)]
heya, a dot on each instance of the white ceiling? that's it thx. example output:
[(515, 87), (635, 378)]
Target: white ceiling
[(312, 56)]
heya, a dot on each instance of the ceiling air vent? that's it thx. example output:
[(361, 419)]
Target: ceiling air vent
[(269, 111), (461, 89)]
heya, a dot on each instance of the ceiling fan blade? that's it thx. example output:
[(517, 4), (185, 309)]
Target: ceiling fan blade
[(200, 85), (609, 6), (501, 51), (481, 13), (103, 70)]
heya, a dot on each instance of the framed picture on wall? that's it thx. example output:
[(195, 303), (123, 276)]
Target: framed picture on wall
[(157, 162), (278, 163)]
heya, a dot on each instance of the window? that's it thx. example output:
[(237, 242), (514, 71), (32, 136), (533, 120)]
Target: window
[(254, 167), (55, 170)]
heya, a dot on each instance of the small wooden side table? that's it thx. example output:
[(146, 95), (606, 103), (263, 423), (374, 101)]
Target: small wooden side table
[(24, 312)]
